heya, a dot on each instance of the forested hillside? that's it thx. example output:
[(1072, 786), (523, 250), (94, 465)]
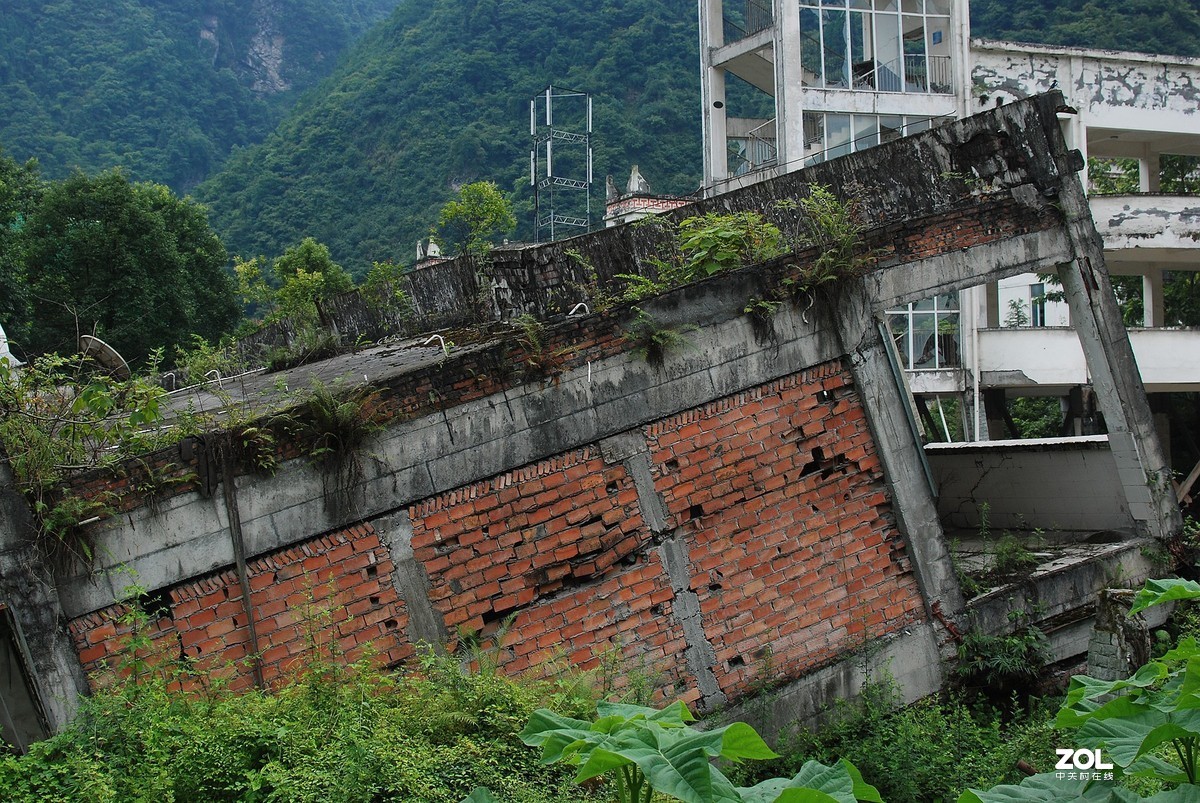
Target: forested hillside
[(438, 96), (163, 88), (1152, 26)]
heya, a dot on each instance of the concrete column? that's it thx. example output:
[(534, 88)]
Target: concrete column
[(789, 85), (1152, 297), (878, 381), (712, 93), (1141, 464), (1148, 170)]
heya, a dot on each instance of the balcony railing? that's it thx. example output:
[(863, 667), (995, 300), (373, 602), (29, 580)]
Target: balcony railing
[(746, 18)]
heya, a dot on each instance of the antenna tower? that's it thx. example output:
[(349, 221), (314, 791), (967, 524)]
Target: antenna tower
[(560, 162)]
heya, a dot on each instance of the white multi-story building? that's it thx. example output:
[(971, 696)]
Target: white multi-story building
[(788, 83)]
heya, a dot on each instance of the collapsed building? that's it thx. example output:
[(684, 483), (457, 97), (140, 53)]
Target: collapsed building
[(763, 492)]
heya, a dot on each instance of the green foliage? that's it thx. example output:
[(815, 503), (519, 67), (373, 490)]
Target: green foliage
[(1002, 664), (645, 750), (1036, 416), (470, 222), (201, 358), (823, 221), (302, 276), (100, 252), (330, 733), (62, 414), (713, 243), (1146, 724), (652, 341), (927, 751), (435, 98), (335, 423), (1154, 26), (21, 188), (164, 90)]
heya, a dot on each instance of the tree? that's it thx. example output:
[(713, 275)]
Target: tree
[(20, 189), (132, 263), (477, 216), (305, 273)]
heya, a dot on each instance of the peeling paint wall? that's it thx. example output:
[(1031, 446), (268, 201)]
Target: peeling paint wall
[(1104, 85)]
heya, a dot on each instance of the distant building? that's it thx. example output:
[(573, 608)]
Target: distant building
[(637, 201), (789, 83)]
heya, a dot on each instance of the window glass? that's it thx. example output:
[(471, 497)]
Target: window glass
[(886, 5), (937, 7), (833, 34), (810, 47), (866, 131), (838, 129), (916, 125), (890, 127), (887, 52), (912, 6)]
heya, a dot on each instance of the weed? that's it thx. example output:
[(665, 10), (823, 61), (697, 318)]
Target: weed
[(311, 344), (336, 425), (761, 313), (652, 341)]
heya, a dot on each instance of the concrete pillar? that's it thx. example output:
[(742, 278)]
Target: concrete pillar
[(789, 85), (712, 93), (1148, 170), (1118, 645), (879, 382), (1141, 463), (1152, 297)]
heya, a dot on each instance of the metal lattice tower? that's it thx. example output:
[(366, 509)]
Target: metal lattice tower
[(560, 163)]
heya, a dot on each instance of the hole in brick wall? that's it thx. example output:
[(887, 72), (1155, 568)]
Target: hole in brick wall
[(629, 560), (656, 609), (815, 509), (715, 586), (390, 624), (736, 660), (611, 488), (825, 396), (696, 511), (455, 586), (374, 600), (815, 464), (496, 616), (846, 496), (485, 530), (236, 622), (225, 591), (156, 604), (672, 465), (372, 571), (446, 545)]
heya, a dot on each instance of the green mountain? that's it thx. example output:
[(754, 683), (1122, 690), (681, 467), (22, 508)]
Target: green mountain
[(163, 88), (437, 96), (1150, 26)]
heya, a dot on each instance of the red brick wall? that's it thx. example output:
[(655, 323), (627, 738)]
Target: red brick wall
[(334, 591), (793, 551), (562, 546), (776, 491)]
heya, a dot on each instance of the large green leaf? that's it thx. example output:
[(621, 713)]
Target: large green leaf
[(1184, 793), (1049, 788), (1156, 592), (840, 782), (480, 795)]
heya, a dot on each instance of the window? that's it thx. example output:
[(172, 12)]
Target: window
[(876, 45), (926, 333), (1037, 304)]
